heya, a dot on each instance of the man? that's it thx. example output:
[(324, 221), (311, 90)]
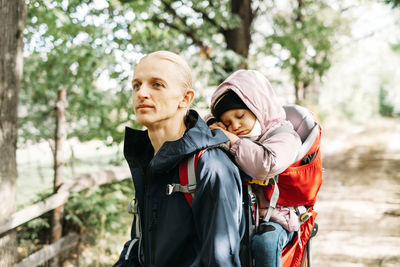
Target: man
[(173, 233)]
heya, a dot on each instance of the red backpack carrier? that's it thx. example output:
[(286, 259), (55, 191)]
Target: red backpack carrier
[(299, 185), (296, 187)]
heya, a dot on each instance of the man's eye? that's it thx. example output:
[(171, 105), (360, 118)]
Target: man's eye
[(156, 84), (136, 86)]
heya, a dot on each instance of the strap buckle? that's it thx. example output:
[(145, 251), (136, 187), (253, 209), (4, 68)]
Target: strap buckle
[(133, 209), (169, 189), (191, 188), (305, 216), (172, 188)]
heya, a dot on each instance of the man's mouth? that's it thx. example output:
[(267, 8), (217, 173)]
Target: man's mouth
[(144, 107)]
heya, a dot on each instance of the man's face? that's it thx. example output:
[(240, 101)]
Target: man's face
[(157, 91)]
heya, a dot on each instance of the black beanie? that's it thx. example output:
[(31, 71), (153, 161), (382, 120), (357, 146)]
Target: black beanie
[(226, 102)]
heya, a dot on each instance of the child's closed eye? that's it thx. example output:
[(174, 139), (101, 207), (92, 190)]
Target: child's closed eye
[(239, 115)]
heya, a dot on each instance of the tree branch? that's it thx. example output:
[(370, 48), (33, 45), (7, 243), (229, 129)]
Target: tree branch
[(172, 11), (207, 18), (186, 29)]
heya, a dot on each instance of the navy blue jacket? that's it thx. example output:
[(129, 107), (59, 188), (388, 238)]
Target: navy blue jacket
[(173, 233)]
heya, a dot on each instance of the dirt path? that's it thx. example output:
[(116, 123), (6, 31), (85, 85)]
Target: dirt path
[(359, 201)]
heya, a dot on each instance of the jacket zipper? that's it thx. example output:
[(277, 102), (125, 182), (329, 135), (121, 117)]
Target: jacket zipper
[(153, 230), (145, 219)]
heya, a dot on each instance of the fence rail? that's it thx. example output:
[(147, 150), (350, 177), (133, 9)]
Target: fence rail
[(34, 211), (77, 184), (49, 251)]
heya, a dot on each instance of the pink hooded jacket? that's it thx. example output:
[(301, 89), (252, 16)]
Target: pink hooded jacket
[(266, 157)]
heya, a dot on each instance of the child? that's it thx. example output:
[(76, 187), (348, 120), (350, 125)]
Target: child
[(246, 109)]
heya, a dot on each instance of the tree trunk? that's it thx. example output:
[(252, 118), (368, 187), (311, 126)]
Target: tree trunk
[(12, 24), (239, 38), (299, 16), (300, 86), (59, 161), (300, 92)]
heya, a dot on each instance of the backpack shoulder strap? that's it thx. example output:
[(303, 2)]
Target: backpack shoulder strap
[(187, 174), (286, 128), (187, 177)]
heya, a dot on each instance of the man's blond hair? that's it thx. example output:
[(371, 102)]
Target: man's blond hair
[(180, 62)]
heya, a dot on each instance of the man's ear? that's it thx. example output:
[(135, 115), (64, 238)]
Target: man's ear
[(187, 99)]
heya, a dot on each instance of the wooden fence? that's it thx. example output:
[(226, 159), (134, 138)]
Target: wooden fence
[(77, 184)]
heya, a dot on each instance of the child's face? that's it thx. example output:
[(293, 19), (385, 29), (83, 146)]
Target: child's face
[(238, 121)]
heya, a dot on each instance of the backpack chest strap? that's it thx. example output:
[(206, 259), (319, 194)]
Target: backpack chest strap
[(187, 189)]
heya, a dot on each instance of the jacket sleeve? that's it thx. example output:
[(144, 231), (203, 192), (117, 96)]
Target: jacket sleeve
[(217, 210), (268, 158)]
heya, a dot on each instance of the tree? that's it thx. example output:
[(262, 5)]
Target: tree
[(222, 31), (12, 24), (302, 41), (71, 44), (394, 3)]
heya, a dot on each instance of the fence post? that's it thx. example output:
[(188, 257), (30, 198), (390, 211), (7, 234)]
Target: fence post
[(59, 161)]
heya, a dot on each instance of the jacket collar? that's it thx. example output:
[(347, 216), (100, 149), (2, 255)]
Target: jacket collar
[(139, 151)]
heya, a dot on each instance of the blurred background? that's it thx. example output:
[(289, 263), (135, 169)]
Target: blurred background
[(341, 59)]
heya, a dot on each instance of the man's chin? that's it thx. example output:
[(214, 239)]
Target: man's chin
[(144, 120)]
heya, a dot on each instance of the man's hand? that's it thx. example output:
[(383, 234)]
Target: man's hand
[(219, 125)]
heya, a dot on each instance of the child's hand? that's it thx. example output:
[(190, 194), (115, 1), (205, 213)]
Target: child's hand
[(219, 125)]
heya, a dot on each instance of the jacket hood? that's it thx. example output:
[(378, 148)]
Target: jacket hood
[(138, 148), (257, 93)]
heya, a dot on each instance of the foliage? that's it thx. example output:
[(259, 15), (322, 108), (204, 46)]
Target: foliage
[(37, 230), (305, 33), (394, 3), (99, 210), (386, 108), (74, 44), (92, 212), (190, 27), (35, 233), (302, 41), (68, 47), (302, 38)]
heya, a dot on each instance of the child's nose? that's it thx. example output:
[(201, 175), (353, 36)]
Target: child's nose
[(235, 125)]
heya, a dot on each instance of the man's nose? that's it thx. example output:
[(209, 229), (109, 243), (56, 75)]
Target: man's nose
[(143, 91)]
